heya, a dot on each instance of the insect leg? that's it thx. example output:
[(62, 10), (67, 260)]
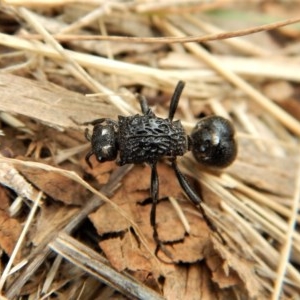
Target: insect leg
[(94, 122), (87, 158), (175, 99), (87, 135), (194, 197), (154, 195), (146, 110)]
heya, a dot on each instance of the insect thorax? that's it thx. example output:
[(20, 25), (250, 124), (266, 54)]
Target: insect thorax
[(149, 138)]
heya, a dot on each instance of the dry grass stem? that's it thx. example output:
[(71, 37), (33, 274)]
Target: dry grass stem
[(20, 241), (287, 245)]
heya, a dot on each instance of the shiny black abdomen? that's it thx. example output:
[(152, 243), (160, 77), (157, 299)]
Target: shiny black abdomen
[(148, 138)]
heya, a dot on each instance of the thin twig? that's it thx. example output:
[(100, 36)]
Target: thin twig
[(170, 39)]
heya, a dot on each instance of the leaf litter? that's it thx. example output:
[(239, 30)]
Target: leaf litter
[(251, 202)]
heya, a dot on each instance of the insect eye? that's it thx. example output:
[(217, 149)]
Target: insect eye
[(213, 143)]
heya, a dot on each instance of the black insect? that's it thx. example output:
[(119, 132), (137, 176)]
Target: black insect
[(146, 139)]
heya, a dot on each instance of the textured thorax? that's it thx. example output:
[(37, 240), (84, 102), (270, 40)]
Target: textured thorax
[(147, 138)]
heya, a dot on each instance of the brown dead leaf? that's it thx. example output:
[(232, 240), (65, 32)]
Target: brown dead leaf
[(190, 250), (196, 283), (56, 186), (51, 219), (199, 283), (139, 179), (4, 199), (219, 274), (113, 251), (10, 230), (125, 251), (230, 269), (169, 227), (186, 248), (135, 190), (192, 282), (175, 283), (135, 259), (108, 220), (101, 172)]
